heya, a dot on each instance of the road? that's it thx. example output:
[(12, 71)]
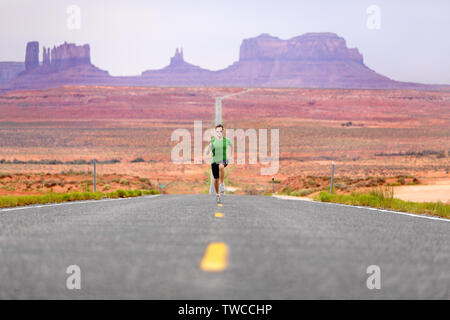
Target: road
[(155, 248)]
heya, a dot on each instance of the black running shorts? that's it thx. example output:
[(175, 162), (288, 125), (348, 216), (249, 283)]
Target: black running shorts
[(215, 168)]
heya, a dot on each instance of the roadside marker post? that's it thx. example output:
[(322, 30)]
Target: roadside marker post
[(332, 173), (95, 175)]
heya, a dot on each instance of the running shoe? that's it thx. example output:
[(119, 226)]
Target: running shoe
[(222, 189), (218, 198)]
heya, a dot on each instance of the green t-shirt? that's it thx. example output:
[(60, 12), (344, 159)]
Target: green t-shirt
[(219, 149)]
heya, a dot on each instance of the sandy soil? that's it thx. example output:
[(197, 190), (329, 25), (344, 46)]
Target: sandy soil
[(375, 138), (432, 190)]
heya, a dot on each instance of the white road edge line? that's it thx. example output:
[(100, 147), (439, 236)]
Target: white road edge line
[(369, 208), (73, 202)]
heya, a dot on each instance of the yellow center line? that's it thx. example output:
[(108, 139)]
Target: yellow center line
[(215, 257), (219, 204), (218, 215)]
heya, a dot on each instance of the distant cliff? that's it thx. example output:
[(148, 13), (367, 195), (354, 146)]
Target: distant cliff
[(311, 60), (66, 56), (32, 56), (310, 46), (10, 70), (64, 64), (178, 72)]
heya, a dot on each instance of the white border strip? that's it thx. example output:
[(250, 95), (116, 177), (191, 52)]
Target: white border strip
[(361, 207), (292, 198), (73, 202)]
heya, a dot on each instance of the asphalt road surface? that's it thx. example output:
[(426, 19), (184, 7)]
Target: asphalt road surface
[(256, 247)]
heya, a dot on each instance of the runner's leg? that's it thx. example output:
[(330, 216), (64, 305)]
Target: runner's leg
[(215, 173), (221, 173), (216, 185)]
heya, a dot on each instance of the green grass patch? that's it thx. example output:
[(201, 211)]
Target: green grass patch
[(383, 198), (52, 197), (297, 193), (302, 193)]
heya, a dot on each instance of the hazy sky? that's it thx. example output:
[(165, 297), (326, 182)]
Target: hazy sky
[(128, 37)]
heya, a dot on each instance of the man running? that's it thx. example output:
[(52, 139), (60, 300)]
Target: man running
[(219, 146)]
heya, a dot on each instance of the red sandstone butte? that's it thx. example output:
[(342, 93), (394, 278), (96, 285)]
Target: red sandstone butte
[(311, 60)]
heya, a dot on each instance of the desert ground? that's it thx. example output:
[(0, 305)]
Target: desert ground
[(399, 138)]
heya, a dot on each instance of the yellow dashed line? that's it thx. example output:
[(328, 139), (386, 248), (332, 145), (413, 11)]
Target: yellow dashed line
[(218, 215), (219, 204), (215, 257)]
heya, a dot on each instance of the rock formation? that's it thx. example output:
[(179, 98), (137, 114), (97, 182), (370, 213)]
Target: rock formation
[(177, 59), (9, 70), (177, 64), (323, 46), (311, 60), (69, 55), (65, 56), (46, 56), (65, 64), (32, 56), (178, 72)]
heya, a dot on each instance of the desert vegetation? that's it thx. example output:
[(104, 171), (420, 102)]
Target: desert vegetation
[(375, 137), (383, 198), (7, 201), (69, 181)]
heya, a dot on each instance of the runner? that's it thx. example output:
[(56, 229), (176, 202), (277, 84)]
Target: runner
[(219, 146)]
